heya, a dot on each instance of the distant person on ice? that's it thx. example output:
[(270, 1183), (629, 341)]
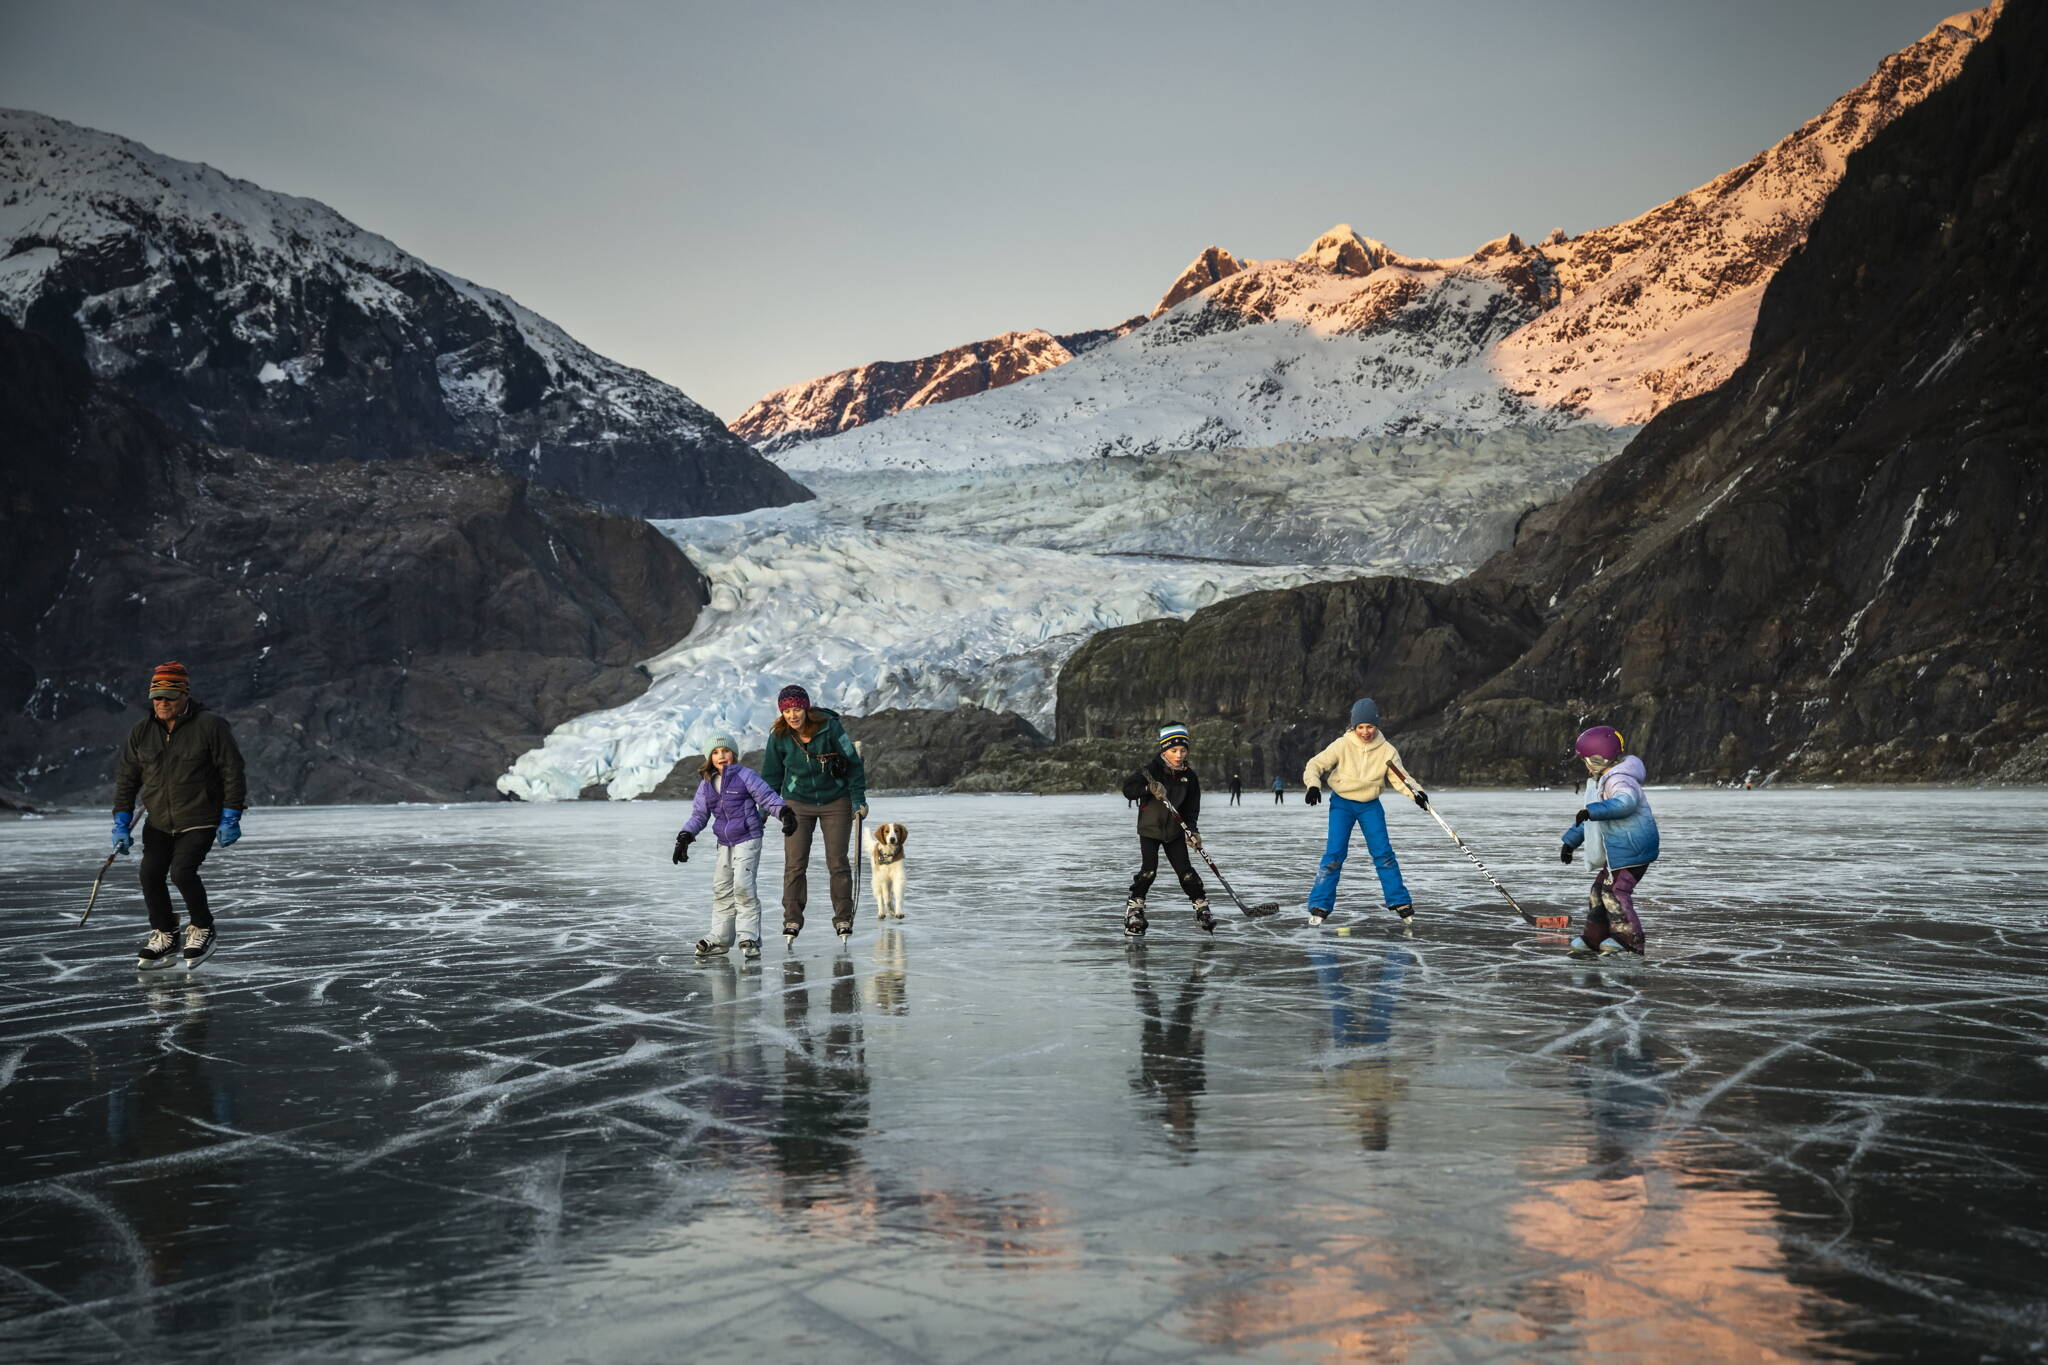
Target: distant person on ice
[(1356, 767), (1236, 790), (817, 772), (1619, 835), (1167, 781), (1279, 791), (736, 803), (183, 760)]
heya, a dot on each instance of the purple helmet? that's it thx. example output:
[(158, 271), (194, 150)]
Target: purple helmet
[(1602, 742)]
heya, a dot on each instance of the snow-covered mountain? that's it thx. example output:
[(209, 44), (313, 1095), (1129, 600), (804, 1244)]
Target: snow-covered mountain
[(1353, 338), (252, 318), (846, 399)]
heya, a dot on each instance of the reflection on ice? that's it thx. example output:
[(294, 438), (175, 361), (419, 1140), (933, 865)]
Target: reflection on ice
[(456, 1089)]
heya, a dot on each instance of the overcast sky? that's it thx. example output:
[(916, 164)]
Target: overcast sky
[(740, 196)]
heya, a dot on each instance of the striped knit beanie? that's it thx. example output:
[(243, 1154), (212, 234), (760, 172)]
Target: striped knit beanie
[(1173, 736), (169, 680), (792, 695)]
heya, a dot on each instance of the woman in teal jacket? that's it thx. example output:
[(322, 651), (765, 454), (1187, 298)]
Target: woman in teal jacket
[(814, 768)]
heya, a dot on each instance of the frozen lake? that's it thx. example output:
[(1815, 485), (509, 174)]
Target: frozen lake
[(455, 1089)]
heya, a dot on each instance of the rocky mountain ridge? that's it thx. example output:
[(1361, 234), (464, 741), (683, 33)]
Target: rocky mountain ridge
[(1831, 567), (244, 317), (846, 399), (1354, 338)]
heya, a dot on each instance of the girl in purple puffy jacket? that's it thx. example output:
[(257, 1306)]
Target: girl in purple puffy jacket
[(737, 803)]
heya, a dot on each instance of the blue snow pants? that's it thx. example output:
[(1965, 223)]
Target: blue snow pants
[(1367, 815)]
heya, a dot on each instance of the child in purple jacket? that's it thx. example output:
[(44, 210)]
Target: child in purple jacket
[(737, 803)]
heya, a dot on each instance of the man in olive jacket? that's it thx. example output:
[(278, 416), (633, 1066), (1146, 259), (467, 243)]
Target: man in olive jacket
[(184, 762)]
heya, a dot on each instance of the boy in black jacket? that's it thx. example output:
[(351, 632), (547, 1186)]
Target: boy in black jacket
[(1162, 787)]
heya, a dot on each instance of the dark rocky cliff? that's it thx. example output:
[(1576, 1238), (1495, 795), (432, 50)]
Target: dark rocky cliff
[(1832, 566), (384, 631)]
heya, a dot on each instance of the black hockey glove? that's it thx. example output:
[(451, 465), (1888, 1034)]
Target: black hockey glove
[(1582, 817), (682, 853), (788, 822), (1313, 796), (1422, 800), (1564, 854)]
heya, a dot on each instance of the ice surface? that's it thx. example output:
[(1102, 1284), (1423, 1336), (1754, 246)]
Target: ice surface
[(455, 1090)]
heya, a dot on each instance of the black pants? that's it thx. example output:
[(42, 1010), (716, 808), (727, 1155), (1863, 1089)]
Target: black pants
[(1148, 867), (176, 858)]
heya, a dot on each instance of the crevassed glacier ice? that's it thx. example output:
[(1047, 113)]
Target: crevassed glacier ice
[(932, 589)]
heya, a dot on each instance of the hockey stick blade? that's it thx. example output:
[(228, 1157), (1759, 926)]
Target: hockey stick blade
[(1259, 911)]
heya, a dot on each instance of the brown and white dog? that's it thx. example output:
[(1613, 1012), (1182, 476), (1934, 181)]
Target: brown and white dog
[(885, 861)]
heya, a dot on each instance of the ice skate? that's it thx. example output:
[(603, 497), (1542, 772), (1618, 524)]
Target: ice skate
[(1134, 918), (159, 950), (1578, 947), (1316, 917), (1406, 912), (706, 948), (199, 944), (843, 928), (1204, 921), (750, 949), (790, 929)]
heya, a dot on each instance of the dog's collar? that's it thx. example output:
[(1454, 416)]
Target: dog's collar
[(884, 859)]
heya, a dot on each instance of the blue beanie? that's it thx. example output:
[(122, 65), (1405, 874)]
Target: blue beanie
[(1173, 736), (1364, 711), (717, 742)]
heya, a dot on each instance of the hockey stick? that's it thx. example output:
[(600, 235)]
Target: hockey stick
[(1540, 921), (860, 842), (1259, 911), (96, 886)]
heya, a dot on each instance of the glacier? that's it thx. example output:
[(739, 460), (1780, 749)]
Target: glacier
[(933, 589)]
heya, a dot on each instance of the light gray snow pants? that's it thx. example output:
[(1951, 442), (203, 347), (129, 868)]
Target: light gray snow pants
[(732, 892)]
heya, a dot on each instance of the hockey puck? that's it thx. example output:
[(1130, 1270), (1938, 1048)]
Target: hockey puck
[(1344, 931)]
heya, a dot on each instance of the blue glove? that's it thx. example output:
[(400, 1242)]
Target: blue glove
[(123, 840), (230, 827)]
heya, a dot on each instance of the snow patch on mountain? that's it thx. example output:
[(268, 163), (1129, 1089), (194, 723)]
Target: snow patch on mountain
[(254, 318)]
